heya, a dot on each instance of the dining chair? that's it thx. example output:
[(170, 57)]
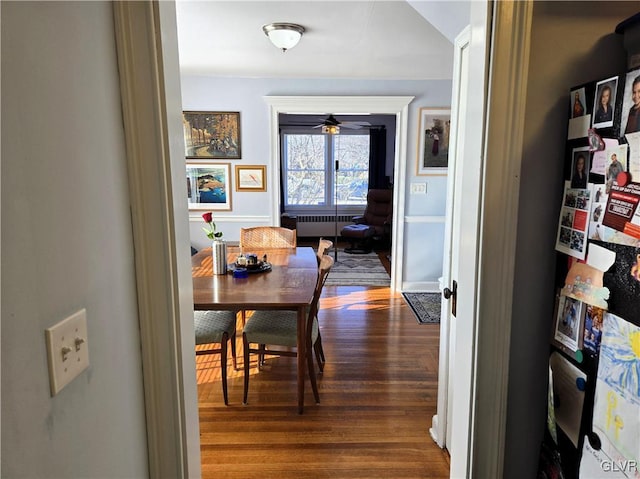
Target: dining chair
[(323, 245), (273, 331), (217, 327), (260, 237)]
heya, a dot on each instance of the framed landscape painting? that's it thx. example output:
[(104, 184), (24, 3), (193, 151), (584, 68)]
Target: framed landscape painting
[(211, 134), (433, 141), (209, 186)]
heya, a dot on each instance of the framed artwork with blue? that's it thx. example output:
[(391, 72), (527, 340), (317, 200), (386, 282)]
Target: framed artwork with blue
[(209, 186)]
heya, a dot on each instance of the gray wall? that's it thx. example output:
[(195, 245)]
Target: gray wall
[(67, 245), (571, 43), (424, 214)]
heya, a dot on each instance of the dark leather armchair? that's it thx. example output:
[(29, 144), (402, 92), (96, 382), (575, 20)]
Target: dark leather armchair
[(373, 224)]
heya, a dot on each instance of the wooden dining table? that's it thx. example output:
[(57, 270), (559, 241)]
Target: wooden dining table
[(288, 285)]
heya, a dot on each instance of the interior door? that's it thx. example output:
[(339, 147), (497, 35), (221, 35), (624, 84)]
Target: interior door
[(441, 429), (460, 282)]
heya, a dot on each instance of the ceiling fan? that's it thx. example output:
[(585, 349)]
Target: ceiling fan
[(332, 121)]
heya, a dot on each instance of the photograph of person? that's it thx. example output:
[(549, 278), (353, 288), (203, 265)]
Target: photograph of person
[(578, 102), (569, 322), (593, 329), (613, 169), (604, 103), (630, 121), (579, 169)]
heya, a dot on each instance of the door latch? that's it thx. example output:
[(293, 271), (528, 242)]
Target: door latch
[(453, 295)]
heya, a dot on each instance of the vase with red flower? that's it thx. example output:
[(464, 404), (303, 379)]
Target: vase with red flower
[(218, 246)]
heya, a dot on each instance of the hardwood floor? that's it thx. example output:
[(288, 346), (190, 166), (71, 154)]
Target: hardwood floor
[(378, 394)]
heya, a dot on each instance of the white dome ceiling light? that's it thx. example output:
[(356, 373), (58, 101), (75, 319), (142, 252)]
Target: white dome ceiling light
[(283, 35)]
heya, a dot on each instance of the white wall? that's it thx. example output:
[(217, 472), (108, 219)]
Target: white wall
[(67, 245), (571, 43), (423, 237)]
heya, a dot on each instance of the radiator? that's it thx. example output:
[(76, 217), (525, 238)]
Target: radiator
[(321, 225)]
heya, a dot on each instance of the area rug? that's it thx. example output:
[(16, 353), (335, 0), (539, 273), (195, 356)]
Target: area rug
[(357, 270), (425, 306)]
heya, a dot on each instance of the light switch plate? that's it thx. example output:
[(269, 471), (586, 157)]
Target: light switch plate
[(67, 350), (418, 188)]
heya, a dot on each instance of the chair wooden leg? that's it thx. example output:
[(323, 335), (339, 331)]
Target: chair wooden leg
[(245, 344), (233, 350), (223, 367), (312, 371), (317, 347), (316, 350)]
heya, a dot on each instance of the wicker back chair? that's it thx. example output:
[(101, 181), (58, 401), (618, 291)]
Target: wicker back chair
[(323, 246), (267, 237)]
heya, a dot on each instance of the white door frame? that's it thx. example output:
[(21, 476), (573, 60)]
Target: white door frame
[(504, 133), (349, 105), (148, 61), (147, 50), (441, 427)]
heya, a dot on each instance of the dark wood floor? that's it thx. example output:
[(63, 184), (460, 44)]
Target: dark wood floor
[(378, 394)]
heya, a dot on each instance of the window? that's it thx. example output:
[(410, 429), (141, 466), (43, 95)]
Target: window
[(309, 169)]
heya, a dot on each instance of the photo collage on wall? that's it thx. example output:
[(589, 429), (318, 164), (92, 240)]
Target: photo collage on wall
[(597, 314)]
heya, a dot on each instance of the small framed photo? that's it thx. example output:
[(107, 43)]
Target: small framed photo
[(580, 167), (604, 103), (211, 134), (434, 126), (209, 186), (568, 330), (251, 178)]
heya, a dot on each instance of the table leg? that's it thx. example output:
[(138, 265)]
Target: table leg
[(302, 355)]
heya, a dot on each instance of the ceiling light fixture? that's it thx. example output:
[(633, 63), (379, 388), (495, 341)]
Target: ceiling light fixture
[(283, 35), (331, 129)]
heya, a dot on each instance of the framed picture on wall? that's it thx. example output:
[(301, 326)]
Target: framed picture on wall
[(251, 178), (209, 186), (433, 141), (211, 134)]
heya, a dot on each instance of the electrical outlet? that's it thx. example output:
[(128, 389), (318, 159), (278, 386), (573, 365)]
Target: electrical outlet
[(67, 350), (418, 188)]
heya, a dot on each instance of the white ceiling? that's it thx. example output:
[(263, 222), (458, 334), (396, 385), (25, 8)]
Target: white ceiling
[(368, 39)]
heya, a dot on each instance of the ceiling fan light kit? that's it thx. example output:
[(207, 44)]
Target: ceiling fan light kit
[(331, 129), (283, 35), (331, 125)]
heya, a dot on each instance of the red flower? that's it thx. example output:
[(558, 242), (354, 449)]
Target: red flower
[(211, 230)]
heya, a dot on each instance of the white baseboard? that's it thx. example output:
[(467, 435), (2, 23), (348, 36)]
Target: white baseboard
[(433, 430), (421, 287)]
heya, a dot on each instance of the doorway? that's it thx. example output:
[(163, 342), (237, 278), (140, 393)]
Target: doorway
[(398, 106)]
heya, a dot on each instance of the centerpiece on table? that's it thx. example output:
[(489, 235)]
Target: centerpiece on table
[(218, 247)]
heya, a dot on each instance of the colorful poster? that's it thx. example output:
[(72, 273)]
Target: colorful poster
[(616, 410), (622, 212), (574, 221)]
